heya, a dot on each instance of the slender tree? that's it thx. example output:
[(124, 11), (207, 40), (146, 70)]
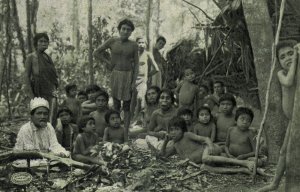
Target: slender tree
[(28, 23), (148, 23), (90, 33), (75, 22)]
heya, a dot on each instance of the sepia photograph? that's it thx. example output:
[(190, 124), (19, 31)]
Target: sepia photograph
[(149, 95)]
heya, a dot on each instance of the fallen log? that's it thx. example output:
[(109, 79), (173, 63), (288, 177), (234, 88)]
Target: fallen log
[(13, 155)]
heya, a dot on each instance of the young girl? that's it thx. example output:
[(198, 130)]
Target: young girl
[(114, 132), (205, 126), (85, 141)]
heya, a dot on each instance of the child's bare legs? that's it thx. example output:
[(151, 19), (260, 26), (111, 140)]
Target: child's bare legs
[(88, 159), (210, 159), (280, 166)]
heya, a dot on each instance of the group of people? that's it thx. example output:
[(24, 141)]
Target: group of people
[(192, 121)]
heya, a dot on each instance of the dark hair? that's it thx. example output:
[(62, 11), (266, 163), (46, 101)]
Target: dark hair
[(285, 43), (205, 87), (104, 94), (169, 92), (33, 111), (155, 88), (184, 111), (39, 36), (220, 82), (81, 92), (126, 22), (161, 38), (69, 87), (92, 88), (228, 97), (178, 122), (109, 113), (64, 109), (244, 110), (207, 109), (83, 121), (138, 38)]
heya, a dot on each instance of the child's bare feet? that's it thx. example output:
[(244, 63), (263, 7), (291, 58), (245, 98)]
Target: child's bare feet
[(270, 187)]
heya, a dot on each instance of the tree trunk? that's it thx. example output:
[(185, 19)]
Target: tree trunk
[(28, 23), (260, 31), (90, 12), (18, 29), (157, 19), (148, 19), (75, 25), (33, 14)]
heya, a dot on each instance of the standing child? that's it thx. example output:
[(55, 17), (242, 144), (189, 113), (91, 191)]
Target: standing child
[(205, 126), (66, 132), (225, 117), (187, 115), (85, 141), (99, 114), (114, 132), (82, 96), (219, 89), (71, 102), (203, 92), (188, 91)]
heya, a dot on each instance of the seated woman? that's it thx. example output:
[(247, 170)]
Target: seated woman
[(38, 133)]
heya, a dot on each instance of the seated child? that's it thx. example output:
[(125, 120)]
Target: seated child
[(89, 106), (187, 115), (71, 102), (114, 132), (85, 141), (195, 148), (188, 91), (225, 117), (205, 126), (82, 97), (66, 132), (203, 92), (99, 114)]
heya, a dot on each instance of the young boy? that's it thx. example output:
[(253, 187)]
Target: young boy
[(114, 132), (71, 102), (195, 148), (225, 117), (82, 96), (203, 92), (219, 89), (287, 54), (89, 106), (188, 91), (99, 114), (187, 115), (85, 141), (66, 132)]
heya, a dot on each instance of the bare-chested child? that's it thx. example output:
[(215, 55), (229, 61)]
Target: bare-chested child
[(203, 92), (85, 141), (219, 89), (225, 117), (187, 115), (188, 91), (114, 132), (99, 115), (287, 54), (82, 96), (194, 147), (88, 106), (71, 102), (205, 125)]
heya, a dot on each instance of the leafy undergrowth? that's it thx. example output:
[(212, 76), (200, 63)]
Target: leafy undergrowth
[(129, 168)]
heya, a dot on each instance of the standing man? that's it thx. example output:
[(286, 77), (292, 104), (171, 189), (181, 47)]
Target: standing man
[(158, 79)]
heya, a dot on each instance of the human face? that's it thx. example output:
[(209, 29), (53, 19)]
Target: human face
[(92, 95), (65, 117), (189, 75), (187, 118), (125, 32), (286, 56), (72, 93), (243, 122), (40, 117), (226, 107), (81, 98), (114, 121), (101, 102), (142, 44), (204, 116), (218, 89), (160, 44), (165, 101), (90, 126), (42, 44), (202, 92), (175, 133), (151, 96)]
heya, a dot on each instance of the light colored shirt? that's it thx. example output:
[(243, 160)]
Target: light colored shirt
[(32, 138)]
